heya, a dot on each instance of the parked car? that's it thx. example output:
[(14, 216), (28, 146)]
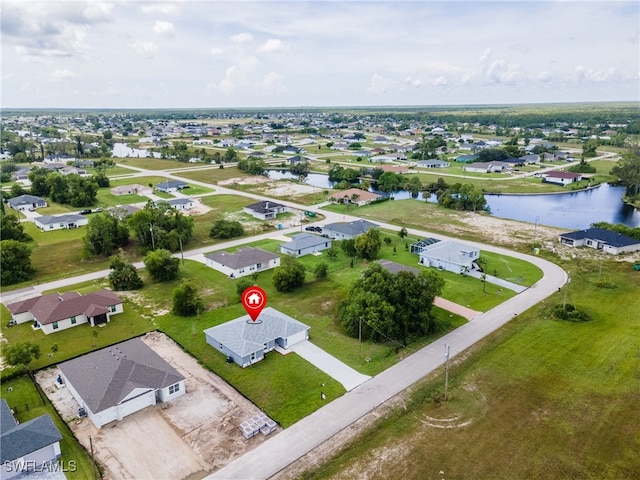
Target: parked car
[(86, 211)]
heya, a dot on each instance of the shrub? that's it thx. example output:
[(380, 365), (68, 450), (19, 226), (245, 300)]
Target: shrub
[(570, 313)]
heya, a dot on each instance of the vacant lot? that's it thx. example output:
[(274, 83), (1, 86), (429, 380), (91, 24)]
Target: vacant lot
[(187, 437), (540, 398)]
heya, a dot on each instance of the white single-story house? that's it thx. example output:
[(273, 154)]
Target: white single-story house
[(265, 210), (58, 222), (433, 163), (117, 381), (486, 167), (29, 446), (449, 255), (347, 230), (171, 186), (601, 239), (563, 178), (134, 189), (55, 311), (354, 196), (245, 261), (26, 203), (245, 341), (305, 243), (181, 204)]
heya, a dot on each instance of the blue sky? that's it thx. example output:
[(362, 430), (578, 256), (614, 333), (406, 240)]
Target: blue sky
[(211, 54)]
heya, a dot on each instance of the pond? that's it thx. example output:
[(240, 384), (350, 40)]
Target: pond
[(574, 210)]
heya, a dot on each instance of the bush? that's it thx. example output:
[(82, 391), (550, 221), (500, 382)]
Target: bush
[(570, 313), (226, 229)]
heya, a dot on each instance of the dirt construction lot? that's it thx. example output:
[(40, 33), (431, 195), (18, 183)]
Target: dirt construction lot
[(190, 436)]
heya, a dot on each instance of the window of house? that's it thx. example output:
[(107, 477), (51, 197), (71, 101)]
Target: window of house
[(112, 308), (62, 225), (73, 320), (50, 227), (259, 265), (174, 388), (55, 325)]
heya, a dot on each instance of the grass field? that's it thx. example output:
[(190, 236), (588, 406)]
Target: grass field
[(23, 398), (540, 398)]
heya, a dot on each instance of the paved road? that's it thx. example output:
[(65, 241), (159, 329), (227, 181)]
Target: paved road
[(285, 448)]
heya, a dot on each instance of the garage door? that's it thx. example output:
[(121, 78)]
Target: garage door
[(296, 338), (137, 403)]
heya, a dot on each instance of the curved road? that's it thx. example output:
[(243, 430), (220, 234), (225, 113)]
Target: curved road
[(286, 447)]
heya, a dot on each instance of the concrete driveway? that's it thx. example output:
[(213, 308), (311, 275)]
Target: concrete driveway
[(330, 365)]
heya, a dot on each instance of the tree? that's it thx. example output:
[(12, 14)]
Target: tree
[(124, 275), (628, 171), (226, 229), (12, 229), (348, 246), (403, 232), (492, 155), (15, 258), (289, 275), (387, 241), (101, 179), (241, 285), (368, 244), (186, 300), (161, 265), (389, 182), (332, 252), (38, 179), (21, 353), (104, 233), (390, 306), (589, 148), (160, 226), (321, 270)]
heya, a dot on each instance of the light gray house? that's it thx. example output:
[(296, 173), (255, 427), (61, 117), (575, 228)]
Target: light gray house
[(433, 163), (171, 186), (180, 204), (601, 239), (59, 222), (245, 342), (305, 243), (245, 261), (265, 210), (27, 446), (449, 255), (120, 380), (347, 230), (26, 202)]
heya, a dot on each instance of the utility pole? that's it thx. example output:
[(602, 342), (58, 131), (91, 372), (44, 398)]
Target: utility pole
[(446, 374), (566, 290), (359, 336), (535, 232), (93, 460), (153, 241), (181, 250)]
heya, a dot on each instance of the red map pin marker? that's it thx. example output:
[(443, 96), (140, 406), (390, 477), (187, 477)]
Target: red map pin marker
[(254, 300)]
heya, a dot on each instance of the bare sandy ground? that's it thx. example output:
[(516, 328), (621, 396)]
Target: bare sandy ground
[(188, 437), (275, 188)]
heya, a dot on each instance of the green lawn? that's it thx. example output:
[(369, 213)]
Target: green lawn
[(213, 174), (150, 163), (23, 398), (107, 199), (540, 398)]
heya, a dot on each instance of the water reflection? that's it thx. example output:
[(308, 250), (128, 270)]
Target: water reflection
[(121, 150)]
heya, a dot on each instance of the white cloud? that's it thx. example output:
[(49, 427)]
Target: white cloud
[(273, 83), (380, 84), (583, 74), (61, 74), (98, 12), (242, 37), (164, 8), (238, 76), (164, 29), (144, 48), (273, 45), (544, 76), (216, 51), (440, 82)]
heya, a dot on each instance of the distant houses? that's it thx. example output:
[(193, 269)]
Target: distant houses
[(171, 186), (134, 189), (354, 196), (561, 178)]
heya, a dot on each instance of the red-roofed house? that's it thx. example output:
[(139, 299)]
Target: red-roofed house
[(55, 311), (563, 178)]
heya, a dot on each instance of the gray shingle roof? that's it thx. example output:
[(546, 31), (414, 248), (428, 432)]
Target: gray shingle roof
[(171, 184), (244, 257), (105, 378), (394, 267), (352, 228), (265, 206), (18, 440), (24, 200), (243, 337), (49, 219), (301, 241), (602, 234)]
